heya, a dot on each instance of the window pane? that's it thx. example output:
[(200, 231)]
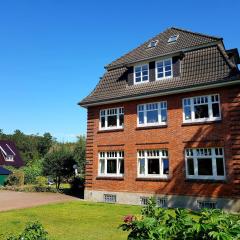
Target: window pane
[(190, 166), (121, 162), (168, 68), (140, 117), (138, 79), (220, 167), (187, 111), (168, 74), (168, 62), (160, 64), (153, 166), (215, 108), (152, 116), (164, 115), (138, 69), (112, 166), (145, 78), (142, 165), (145, 73), (145, 67), (165, 166), (138, 74), (102, 122), (160, 75), (201, 111), (205, 166), (102, 166), (112, 121), (121, 119)]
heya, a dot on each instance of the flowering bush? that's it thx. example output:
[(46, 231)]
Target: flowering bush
[(157, 224)]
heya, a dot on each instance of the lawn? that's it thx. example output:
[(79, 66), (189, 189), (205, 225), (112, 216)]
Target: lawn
[(71, 220)]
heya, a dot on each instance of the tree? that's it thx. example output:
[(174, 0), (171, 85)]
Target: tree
[(44, 144), (58, 164), (79, 153)]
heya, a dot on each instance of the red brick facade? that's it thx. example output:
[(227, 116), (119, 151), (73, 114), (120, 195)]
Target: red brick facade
[(175, 137)]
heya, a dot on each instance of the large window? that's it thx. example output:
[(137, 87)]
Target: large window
[(141, 73), (111, 163), (164, 69), (151, 114), (205, 163), (153, 163), (200, 109), (111, 118)]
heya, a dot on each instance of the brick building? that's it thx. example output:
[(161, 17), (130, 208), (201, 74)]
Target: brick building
[(164, 121)]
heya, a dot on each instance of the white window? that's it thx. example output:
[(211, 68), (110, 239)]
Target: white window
[(112, 118), (153, 163), (111, 163), (109, 198), (201, 109), (152, 114), (205, 163), (164, 69), (173, 38), (141, 73)]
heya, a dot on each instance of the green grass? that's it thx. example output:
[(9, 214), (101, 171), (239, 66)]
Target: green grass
[(71, 220)]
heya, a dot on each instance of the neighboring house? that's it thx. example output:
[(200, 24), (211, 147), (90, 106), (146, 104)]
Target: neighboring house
[(9, 156), (164, 121)]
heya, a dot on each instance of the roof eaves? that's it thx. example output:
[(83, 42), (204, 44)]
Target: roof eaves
[(219, 83)]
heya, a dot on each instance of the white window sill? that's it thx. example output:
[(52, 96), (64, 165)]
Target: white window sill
[(154, 176), (205, 120), (163, 78), (111, 129), (152, 125), (136, 83)]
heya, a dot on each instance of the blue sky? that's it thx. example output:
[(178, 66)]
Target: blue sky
[(52, 52)]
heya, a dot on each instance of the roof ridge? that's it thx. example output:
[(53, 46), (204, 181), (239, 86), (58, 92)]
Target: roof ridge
[(197, 33)]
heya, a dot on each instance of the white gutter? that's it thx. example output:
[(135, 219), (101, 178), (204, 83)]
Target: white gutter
[(229, 83)]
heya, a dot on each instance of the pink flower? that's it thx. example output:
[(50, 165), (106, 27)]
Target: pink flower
[(128, 218)]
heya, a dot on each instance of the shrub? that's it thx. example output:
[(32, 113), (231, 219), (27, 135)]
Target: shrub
[(33, 231), (41, 181), (32, 171), (76, 183), (16, 178), (157, 224)]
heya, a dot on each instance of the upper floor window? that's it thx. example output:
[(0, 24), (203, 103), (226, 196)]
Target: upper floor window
[(111, 163), (153, 163), (200, 109), (141, 73), (164, 69), (111, 118), (205, 163), (151, 114)]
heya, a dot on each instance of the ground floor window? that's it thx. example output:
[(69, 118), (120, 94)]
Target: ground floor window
[(205, 163), (153, 163), (111, 163)]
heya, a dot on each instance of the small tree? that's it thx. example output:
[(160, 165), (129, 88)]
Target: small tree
[(59, 164), (79, 153)]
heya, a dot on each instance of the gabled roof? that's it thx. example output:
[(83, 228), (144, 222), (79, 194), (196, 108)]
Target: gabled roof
[(8, 148), (186, 39), (205, 63)]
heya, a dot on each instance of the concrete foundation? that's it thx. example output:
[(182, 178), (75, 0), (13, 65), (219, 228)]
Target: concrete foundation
[(172, 201)]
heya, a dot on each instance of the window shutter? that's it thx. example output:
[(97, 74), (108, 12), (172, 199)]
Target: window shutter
[(130, 76), (176, 66), (151, 71)]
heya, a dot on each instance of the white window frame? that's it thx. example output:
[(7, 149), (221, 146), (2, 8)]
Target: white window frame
[(164, 72), (160, 106), (210, 111), (206, 153), (110, 155), (134, 74), (161, 154), (119, 111)]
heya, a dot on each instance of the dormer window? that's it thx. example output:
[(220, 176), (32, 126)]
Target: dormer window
[(141, 73), (164, 69), (9, 158), (153, 44), (173, 38)]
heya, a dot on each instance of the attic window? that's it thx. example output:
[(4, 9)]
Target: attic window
[(153, 44), (173, 38)]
